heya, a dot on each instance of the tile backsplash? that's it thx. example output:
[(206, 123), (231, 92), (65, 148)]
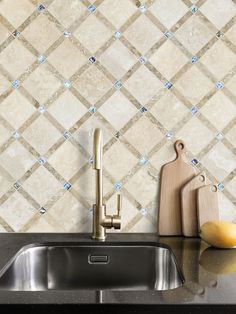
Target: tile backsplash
[(147, 73)]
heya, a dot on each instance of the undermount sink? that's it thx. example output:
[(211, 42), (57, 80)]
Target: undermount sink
[(93, 266)]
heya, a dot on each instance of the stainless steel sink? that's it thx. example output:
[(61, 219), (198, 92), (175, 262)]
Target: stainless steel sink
[(93, 266)]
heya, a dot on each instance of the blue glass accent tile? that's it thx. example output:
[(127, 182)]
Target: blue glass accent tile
[(144, 211), (42, 210), (118, 135), (15, 84), (67, 185), (92, 59), (219, 34), (16, 33), (143, 109), (41, 109), (168, 34), (41, 7), (142, 8), (220, 186), (17, 185), (67, 84), (194, 59), (219, 136), (168, 85), (143, 161), (91, 8), (219, 85), (67, 34), (169, 135), (142, 59), (118, 186), (92, 110), (67, 135), (194, 8), (41, 59), (118, 84), (42, 160), (117, 34), (16, 135), (194, 110), (194, 161)]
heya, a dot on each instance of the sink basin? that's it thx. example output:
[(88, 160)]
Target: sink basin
[(92, 266)]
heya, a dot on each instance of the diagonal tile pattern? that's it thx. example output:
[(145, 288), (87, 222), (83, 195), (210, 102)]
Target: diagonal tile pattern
[(147, 73)]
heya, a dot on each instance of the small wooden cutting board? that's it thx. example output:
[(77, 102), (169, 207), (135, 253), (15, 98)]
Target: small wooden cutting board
[(207, 204), (173, 176), (189, 205)]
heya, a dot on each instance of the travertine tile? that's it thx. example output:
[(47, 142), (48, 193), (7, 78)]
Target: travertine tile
[(6, 182), (43, 224), (219, 110), (16, 160), (231, 34), (16, 109), (4, 84), (231, 186), (67, 109), (117, 59), (16, 211), (163, 156), (220, 161), (118, 110), (231, 85), (144, 135), (168, 59), (144, 225), (41, 134), (4, 33), (5, 134), (135, 34), (227, 209), (231, 135)]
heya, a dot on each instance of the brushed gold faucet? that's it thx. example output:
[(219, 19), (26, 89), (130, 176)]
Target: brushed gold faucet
[(102, 221)]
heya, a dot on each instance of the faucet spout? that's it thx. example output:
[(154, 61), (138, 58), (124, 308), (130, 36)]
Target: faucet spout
[(97, 149)]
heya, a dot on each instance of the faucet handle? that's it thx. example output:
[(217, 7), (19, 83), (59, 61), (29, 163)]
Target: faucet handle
[(116, 219), (118, 204)]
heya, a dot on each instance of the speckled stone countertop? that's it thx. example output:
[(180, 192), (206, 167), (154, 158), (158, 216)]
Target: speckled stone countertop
[(203, 283)]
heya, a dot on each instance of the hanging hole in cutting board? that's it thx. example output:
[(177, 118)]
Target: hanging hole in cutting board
[(213, 188), (202, 178)]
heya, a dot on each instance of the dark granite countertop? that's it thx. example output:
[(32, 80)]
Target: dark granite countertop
[(203, 284)]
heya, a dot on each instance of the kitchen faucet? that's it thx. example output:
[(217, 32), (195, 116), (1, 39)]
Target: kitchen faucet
[(102, 221)]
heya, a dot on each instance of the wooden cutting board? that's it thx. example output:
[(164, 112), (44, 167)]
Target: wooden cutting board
[(173, 176), (189, 205), (207, 204)]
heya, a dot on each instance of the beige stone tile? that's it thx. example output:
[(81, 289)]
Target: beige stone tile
[(220, 161), (219, 110), (231, 136), (42, 84), (5, 134), (144, 135), (231, 186), (168, 14), (119, 161), (69, 13), (5, 182), (218, 12), (16, 109), (231, 85), (2, 230), (219, 59), (164, 155), (118, 59), (42, 225), (93, 84), (194, 34), (117, 11), (144, 225), (16, 211), (169, 110), (16, 11), (67, 160), (16, 58), (41, 134), (143, 85), (4, 33), (67, 58), (16, 160), (68, 212), (47, 33), (4, 84), (227, 209), (67, 109), (118, 110), (84, 135), (92, 33), (168, 59), (231, 34), (135, 34), (196, 135), (85, 185), (42, 185), (194, 85)]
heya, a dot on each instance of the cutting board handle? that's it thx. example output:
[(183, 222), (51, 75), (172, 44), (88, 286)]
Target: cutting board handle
[(179, 148)]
